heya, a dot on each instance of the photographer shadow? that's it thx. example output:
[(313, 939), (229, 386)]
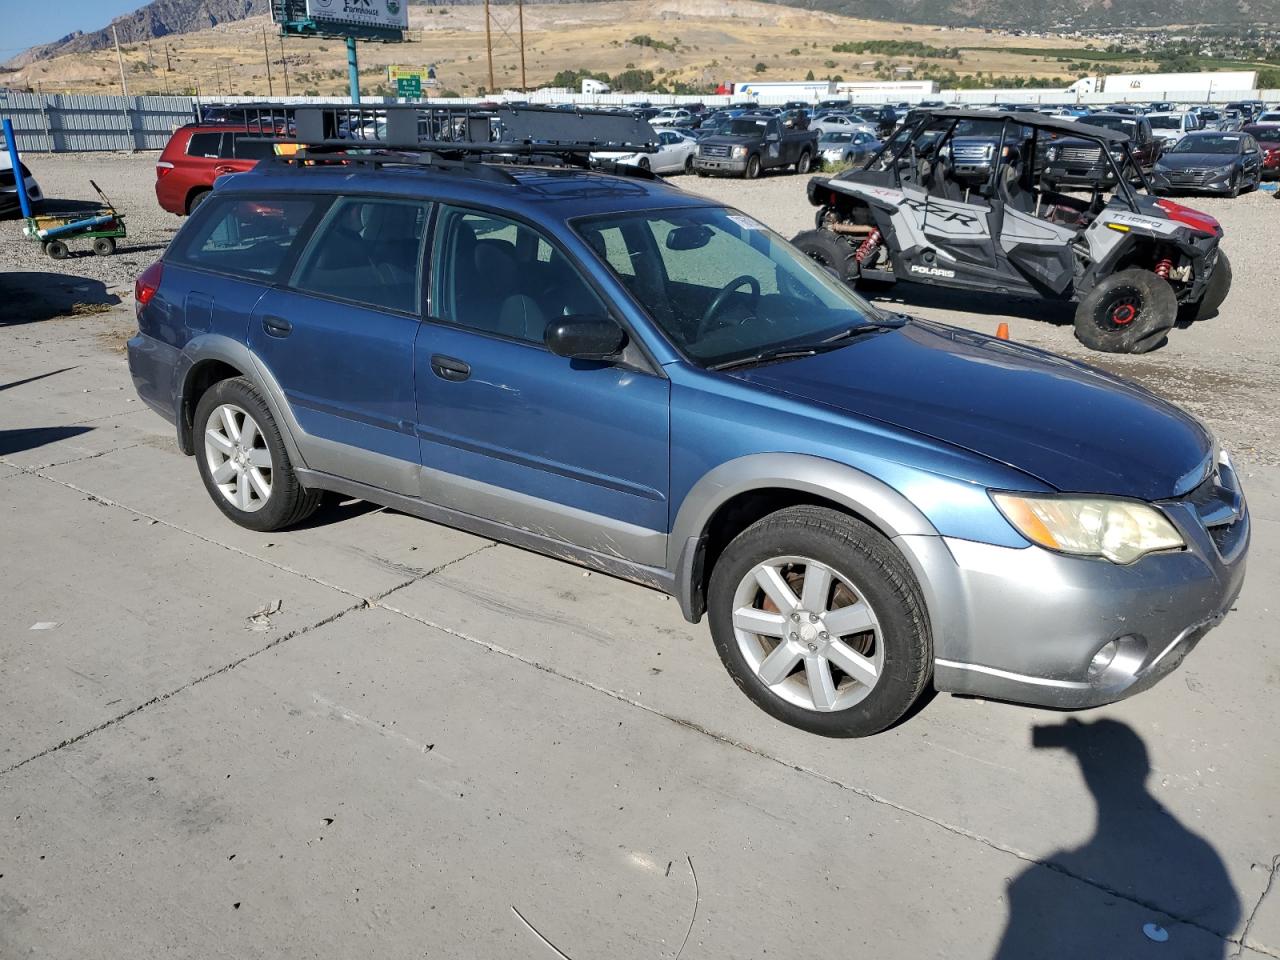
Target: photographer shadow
[(1138, 849)]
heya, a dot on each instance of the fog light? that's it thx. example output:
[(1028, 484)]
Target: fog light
[(1102, 659)]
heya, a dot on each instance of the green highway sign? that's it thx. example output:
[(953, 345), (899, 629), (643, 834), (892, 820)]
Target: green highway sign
[(409, 87)]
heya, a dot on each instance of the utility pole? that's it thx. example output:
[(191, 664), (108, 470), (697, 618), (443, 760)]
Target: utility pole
[(124, 86), (284, 65), (524, 84), (266, 55), (353, 70), (488, 43)]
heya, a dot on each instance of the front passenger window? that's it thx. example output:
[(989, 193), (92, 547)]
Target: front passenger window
[(503, 277)]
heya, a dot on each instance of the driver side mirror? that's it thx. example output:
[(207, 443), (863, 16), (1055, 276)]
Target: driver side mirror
[(585, 337)]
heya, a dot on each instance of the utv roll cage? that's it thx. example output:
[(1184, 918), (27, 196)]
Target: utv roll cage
[(903, 145), (431, 134)]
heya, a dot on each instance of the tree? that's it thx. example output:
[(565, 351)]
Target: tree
[(761, 68), (809, 75)]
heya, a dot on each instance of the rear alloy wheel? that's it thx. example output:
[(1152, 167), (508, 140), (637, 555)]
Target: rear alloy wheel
[(243, 461), (827, 250), (753, 167), (819, 621), (804, 163), (1128, 312)]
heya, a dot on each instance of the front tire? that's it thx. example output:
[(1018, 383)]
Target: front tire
[(753, 167), (827, 250), (1216, 291), (1128, 312), (819, 620), (243, 461)]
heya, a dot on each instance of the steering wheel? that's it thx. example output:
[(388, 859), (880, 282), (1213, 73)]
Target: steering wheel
[(745, 280)]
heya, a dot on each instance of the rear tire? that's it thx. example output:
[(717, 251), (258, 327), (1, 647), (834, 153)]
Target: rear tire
[(827, 250), (241, 456), (104, 246), (804, 163), (196, 200), (1128, 312), (56, 250), (864, 610)]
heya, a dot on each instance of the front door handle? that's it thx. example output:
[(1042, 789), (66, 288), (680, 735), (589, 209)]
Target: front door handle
[(276, 326), (449, 368)]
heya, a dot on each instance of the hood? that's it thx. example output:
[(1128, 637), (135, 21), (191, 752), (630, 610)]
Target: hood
[(1181, 161), (1076, 429), (732, 139)]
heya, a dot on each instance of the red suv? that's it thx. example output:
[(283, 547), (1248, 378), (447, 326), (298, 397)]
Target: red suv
[(197, 155)]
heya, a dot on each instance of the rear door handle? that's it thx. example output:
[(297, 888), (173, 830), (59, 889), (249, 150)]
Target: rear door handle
[(276, 326), (449, 368)]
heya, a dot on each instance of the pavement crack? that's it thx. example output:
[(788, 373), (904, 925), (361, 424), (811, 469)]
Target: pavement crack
[(861, 792), (1248, 925), (160, 698)]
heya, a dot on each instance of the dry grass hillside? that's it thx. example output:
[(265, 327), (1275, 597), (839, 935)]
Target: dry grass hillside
[(712, 40)]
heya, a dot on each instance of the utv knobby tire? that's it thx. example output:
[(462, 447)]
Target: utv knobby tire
[(1155, 310), (881, 575), (1214, 294), (827, 250), (290, 503)]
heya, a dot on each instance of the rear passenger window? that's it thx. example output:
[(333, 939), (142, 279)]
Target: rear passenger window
[(500, 276), (369, 251), (249, 146), (205, 145), (244, 237)]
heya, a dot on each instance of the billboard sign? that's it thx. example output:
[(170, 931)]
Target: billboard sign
[(383, 14)]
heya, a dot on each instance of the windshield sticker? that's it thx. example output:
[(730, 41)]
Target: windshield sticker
[(745, 222)]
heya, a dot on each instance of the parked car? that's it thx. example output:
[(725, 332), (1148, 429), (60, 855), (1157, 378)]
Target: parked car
[(644, 382), (843, 147), (832, 122), (1131, 263), (9, 202), (1210, 161), (1080, 163), (671, 117), (795, 119), (197, 154), (1172, 127), (1210, 119), (674, 154), (829, 105), (1232, 120), (1268, 139), (882, 120), (752, 143), (1268, 117)]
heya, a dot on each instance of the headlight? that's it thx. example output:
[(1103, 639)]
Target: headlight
[(1052, 154), (1120, 530), (739, 151)]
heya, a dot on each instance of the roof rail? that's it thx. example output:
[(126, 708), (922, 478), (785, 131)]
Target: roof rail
[(497, 133)]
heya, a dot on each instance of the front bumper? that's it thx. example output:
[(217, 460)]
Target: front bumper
[(1215, 181), (1079, 175), (720, 164), (1024, 625)]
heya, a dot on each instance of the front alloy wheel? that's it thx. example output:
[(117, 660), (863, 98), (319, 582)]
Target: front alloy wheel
[(807, 634)]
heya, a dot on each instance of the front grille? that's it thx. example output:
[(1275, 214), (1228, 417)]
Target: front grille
[(971, 153), (1193, 176), (1219, 505), (714, 150), (1081, 154)]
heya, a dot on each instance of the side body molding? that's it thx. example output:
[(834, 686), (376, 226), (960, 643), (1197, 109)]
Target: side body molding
[(859, 492)]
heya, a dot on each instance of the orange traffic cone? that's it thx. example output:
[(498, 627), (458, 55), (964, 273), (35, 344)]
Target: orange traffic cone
[(1002, 332)]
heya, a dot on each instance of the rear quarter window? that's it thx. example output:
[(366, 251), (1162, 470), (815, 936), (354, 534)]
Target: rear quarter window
[(206, 145), (244, 237)]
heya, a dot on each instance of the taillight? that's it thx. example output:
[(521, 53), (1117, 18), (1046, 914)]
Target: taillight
[(145, 287), (162, 167)]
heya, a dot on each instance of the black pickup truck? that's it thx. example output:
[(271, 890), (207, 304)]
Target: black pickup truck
[(1079, 163), (754, 142)]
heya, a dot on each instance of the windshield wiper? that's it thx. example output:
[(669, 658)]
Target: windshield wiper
[(792, 351)]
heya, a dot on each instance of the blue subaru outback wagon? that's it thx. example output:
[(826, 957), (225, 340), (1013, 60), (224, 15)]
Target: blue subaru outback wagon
[(612, 371)]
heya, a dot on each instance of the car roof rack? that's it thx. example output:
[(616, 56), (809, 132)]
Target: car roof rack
[(392, 134)]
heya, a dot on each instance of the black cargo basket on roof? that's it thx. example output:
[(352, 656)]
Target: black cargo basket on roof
[(495, 132)]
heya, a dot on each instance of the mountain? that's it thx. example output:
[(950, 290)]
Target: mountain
[(160, 18), (1053, 14)]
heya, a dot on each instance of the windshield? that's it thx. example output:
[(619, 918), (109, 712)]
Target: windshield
[(1119, 124), (836, 138), (1266, 134), (1208, 143), (1166, 123), (721, 285)]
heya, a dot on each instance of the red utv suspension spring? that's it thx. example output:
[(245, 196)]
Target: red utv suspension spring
[(1163, 267), (867, 249)]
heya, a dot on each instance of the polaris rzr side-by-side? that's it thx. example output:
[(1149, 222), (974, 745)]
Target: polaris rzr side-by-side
[(915, 211)]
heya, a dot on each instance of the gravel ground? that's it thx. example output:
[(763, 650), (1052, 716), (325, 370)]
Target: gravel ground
[(1226, 370)]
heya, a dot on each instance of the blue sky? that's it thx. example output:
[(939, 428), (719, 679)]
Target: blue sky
[(19, 29)]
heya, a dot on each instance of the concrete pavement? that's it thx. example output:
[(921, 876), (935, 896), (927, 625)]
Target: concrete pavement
[(442, 747)]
